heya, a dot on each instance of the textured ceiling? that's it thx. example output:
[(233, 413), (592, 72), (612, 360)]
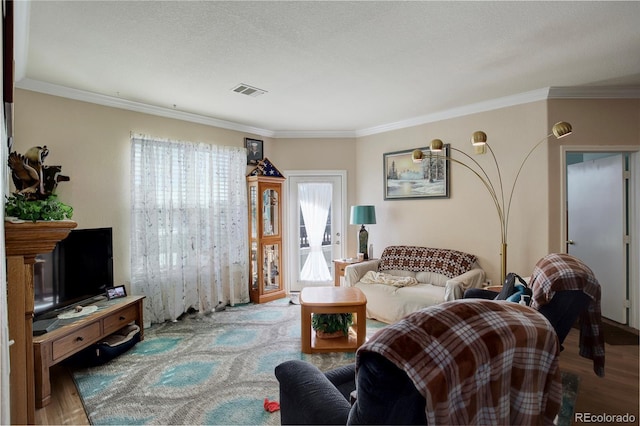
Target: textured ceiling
[(327, 66)]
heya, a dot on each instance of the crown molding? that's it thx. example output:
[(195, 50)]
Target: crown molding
[(595, 92), (585, 92), (114, 102), (314, 134), (492, 104)]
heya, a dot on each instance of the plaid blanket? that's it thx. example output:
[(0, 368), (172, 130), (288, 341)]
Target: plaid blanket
[(450, 263), (558, 272), (477, 362)]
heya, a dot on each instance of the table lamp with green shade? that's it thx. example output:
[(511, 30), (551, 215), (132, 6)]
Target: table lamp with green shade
[(363, 215)]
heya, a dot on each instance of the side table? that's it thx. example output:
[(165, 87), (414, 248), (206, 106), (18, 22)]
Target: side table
[(333, 300), (338, 268)]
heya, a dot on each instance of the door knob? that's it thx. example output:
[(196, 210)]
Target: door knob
[(571, 242)]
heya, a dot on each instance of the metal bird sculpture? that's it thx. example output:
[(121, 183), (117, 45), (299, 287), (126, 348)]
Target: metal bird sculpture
[(31, 177)]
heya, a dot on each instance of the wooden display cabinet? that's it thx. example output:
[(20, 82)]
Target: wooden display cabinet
[(266, 281)]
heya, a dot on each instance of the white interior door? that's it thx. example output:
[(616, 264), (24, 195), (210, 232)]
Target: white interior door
[(300, 244), (596, 227)]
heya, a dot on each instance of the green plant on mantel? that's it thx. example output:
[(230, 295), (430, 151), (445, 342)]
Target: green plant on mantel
[(34, 198), (331, 323), (50, 208)]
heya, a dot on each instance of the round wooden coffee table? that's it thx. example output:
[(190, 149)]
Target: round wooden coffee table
[(333, 300)]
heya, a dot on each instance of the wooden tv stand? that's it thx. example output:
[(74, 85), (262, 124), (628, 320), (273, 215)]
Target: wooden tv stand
[(59, 344)]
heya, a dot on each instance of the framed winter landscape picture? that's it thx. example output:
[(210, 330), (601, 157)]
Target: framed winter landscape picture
[(406, 179)]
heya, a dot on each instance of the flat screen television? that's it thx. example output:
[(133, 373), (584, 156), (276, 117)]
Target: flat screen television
[(76, 272)]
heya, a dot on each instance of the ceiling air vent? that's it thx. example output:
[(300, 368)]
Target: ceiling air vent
[(245, 89)]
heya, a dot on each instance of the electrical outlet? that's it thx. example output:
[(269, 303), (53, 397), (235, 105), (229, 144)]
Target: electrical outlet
[(489, 283)]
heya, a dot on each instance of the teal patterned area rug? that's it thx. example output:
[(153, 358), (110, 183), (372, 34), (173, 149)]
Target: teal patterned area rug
[(570, 384), (214, 369), (204, 369)]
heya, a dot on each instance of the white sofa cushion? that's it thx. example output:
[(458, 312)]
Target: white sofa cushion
[(436, 277), (374, 277), (389, 304), (432, 278)]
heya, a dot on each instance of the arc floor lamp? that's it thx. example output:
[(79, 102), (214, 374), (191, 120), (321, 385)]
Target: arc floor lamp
[(496, 191)]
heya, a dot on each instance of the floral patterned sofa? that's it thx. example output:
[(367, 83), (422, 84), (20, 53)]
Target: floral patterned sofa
[(408, 278)]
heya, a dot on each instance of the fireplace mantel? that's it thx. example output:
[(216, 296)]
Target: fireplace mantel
[(23, 242), (33, 238)]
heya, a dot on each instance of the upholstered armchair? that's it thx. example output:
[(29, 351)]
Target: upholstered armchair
[(460, 362), (310, 397), (565, 289)]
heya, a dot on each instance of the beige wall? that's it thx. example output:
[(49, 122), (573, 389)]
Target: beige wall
[(468, 220), (335, 154), (91, 142)]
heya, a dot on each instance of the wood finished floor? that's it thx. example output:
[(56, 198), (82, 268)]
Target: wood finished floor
[(616, 393)]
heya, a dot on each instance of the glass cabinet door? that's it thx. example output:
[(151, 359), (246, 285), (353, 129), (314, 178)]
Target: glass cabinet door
[(254, 266), (270, 212), (271, 267), (253, 212)]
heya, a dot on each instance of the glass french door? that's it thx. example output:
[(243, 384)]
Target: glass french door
[(315, 227)]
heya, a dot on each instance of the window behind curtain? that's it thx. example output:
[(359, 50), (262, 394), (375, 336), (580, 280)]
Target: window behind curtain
[(189, 226)]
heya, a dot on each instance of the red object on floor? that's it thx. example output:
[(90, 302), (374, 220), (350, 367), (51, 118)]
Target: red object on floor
[(271, 406)]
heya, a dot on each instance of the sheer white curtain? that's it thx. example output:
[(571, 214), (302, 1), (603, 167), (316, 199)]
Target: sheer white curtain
[(188, 226), (315, 201)]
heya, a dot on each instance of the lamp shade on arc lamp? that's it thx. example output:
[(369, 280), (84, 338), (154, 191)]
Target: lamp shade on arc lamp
[(363, 215), (501, 200)]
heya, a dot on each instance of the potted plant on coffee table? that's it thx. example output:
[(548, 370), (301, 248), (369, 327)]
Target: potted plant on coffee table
[(329, 326)]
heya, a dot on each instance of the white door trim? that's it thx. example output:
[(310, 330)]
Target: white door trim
[(287, 214), (634, 215)]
